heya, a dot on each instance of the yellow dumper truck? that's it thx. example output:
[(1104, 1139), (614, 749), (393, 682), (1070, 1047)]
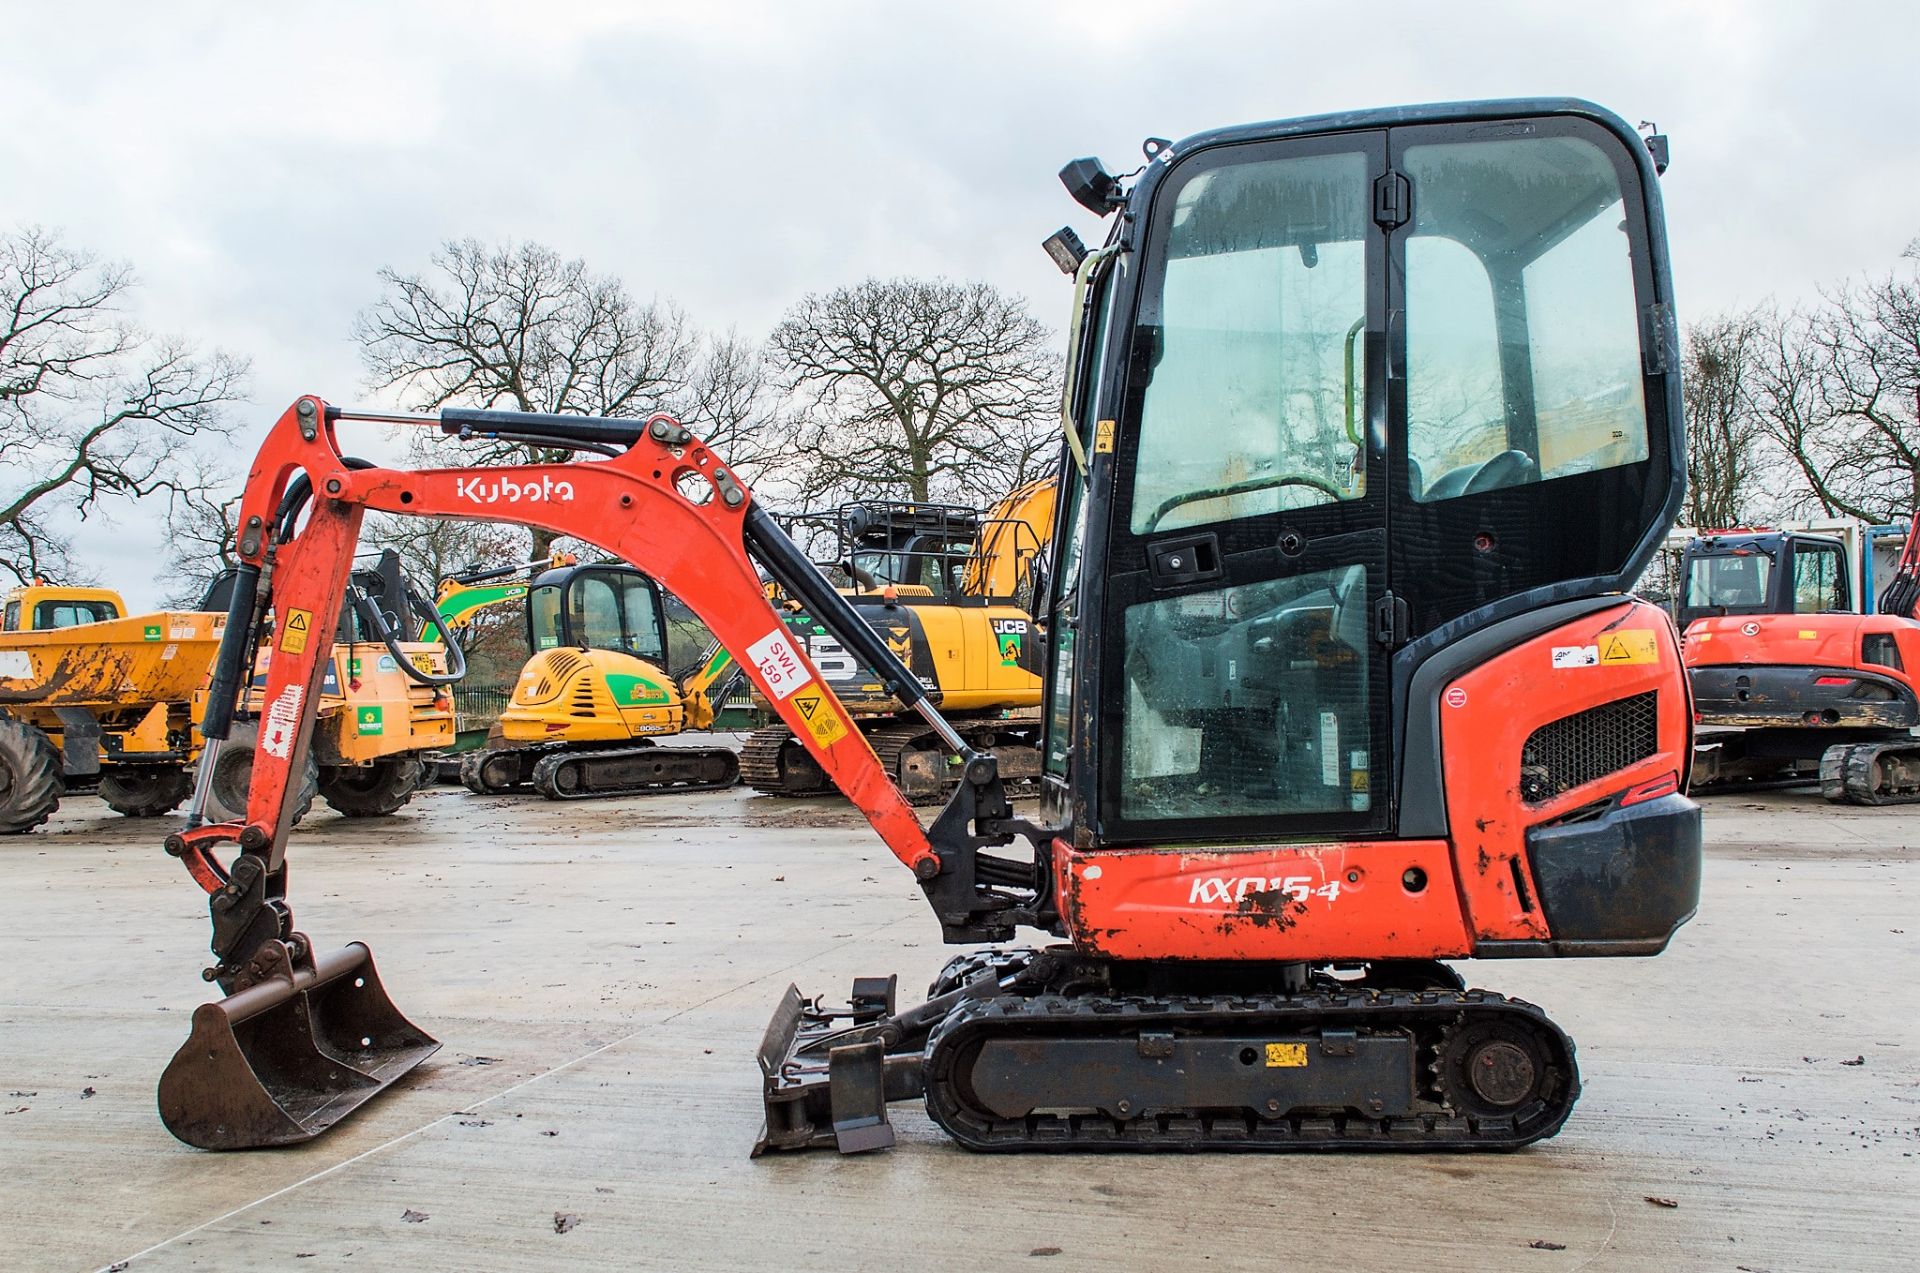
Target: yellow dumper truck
[(90, 695)]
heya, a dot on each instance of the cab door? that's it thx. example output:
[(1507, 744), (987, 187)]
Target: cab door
[(1246, 558)]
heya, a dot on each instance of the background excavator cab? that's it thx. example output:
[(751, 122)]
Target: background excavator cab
[(1763, 572)]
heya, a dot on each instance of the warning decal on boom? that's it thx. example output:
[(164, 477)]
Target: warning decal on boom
[(822, 721), (295, 639)]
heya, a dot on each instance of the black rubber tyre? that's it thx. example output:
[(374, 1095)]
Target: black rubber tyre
[(147, 791), (227, 793), (30, 781), (372, 791)]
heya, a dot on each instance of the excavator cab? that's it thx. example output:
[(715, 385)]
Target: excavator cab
[(1763, 572), (599, 607)]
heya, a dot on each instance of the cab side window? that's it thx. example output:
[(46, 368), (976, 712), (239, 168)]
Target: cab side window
[(1819, 583)]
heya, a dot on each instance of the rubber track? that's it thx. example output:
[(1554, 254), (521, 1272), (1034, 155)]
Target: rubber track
[(1852, 774), (680, 769), (1430, 1014)]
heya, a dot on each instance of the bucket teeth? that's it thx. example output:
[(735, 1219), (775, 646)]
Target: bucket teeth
[(285, 1058)]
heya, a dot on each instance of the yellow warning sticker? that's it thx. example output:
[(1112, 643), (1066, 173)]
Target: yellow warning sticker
[(294, 639), (1635, 645), (823, 722), (1290, 1056), (1103, 438), (1808, 634)]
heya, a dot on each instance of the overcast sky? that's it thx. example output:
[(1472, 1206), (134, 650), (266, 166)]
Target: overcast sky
[(258, 164)]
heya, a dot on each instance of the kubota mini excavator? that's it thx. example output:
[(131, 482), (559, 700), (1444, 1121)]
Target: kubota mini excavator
[(1322, 707)]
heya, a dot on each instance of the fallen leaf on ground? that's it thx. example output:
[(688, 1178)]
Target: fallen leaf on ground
[(413, 1217), (1541, 1244), (1668, 1203), (1045, 1250), (479, 1060), (1858, 1060), (564, 1221), (86, 1092)]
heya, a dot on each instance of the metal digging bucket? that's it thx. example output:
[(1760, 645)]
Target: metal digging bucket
[(279, 1062)]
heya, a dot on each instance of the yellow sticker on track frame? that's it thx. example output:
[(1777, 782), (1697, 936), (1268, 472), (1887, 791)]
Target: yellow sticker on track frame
[(294, 639), (1286, 1056), (1634, 645), (823, 720)]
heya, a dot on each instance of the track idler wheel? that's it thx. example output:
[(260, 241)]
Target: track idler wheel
[(1497, 1069)]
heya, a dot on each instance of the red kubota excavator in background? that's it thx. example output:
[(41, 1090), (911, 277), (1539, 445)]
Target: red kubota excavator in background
[(1371, 418), (1791, 677)]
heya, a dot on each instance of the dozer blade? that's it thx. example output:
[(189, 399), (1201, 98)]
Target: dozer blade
[(828, 1076), (289, 1056)]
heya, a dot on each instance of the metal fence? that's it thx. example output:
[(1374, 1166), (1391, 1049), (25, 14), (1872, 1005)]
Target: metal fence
[(479, 706)]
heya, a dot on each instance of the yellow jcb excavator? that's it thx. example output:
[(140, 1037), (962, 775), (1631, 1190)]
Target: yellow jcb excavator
[(597, 692), (951, 590)]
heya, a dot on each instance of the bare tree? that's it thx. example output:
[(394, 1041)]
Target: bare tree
[(432, 548), (1725, 433), (1839, 390), (517, 326), (203, 518), (917, 389), (730, 403), (91, 407)]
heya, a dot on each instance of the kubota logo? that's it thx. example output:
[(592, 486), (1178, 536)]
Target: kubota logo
[(507, 491)]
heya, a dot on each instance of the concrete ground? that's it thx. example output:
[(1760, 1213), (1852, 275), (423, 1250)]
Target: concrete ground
[(600, 974)]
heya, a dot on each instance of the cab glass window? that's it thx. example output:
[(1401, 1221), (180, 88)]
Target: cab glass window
[(13, 616), (1253, 406), (1819, 584), (1250, 701), (68, 614), (639, 623), (543, 612), (1733, 581), (1523, 346)]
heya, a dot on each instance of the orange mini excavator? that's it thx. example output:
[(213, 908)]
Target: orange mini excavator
[(1371, 419)]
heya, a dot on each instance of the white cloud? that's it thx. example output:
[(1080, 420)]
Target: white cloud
[(259, 164)]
